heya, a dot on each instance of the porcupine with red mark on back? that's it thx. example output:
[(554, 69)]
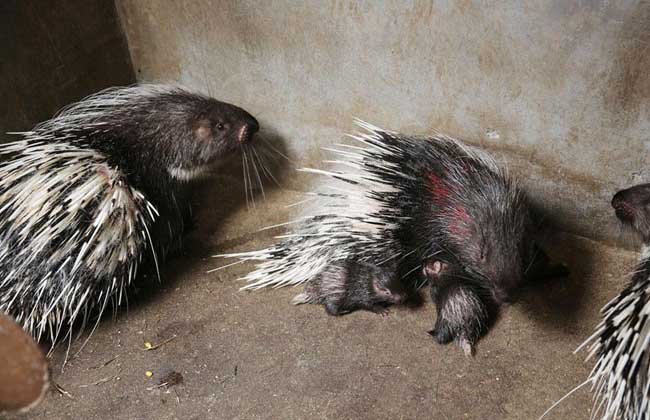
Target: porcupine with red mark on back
[(104, 186), (406, 202)]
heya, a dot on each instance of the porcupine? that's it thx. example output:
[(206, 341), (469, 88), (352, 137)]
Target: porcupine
[(92, 194), (350, 285), (621, 342), (405, 201)]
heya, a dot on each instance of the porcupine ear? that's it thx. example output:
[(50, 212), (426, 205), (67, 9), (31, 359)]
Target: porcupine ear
[(203, 129), (432, 268)]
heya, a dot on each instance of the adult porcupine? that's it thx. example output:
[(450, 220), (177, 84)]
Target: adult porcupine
[(408, 201), (621, 343), (85, 196)]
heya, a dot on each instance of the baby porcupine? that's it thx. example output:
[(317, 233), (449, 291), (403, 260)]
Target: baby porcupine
[(350, 285), (461, 314), (88, 195)]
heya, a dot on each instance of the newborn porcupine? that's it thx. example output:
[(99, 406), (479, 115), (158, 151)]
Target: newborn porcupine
[(621, 342), (462, 314), (350, 285), (89, 194), (404, 199)]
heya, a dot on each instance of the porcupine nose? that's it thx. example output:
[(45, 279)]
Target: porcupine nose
[(248, 130)]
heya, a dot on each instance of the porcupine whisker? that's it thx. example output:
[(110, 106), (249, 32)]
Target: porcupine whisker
[(264, 165), (268, 143), (251, 186), (257, 174), (248, 179), (243, 167)]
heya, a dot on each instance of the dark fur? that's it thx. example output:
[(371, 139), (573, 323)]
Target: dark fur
[(460, 211), (173, 129), (449, 288), (352, 285)]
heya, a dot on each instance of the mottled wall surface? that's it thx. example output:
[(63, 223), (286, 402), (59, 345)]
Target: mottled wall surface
[(54, 53), (561, 88)]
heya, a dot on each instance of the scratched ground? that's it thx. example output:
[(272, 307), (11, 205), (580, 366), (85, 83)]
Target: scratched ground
[(252, 355)]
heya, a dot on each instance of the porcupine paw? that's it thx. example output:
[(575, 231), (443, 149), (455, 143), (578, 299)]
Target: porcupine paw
[(382, 310), (466, 345), (444, 334)]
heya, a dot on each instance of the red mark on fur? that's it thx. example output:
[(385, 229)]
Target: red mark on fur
[(459, 224), (439, 188)]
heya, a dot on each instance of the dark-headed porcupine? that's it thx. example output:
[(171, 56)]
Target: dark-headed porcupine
[(89, 194), (621, 342), (403, 201)]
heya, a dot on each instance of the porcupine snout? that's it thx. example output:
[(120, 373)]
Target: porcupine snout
[(248, 129)]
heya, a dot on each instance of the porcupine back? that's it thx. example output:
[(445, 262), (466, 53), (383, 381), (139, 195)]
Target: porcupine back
[(66, 214), (69, 213), (389, 197), (621, 344)]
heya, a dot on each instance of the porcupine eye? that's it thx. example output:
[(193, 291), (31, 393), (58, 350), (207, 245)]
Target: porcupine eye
[(221, 126)]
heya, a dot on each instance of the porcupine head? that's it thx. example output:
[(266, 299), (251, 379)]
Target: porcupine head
[(632, 207), (476, 218), (187, 133)]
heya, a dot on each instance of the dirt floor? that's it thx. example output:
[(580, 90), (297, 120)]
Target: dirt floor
[(252, 355)]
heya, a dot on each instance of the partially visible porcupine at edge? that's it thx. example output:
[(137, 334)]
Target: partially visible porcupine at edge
[(93, 193), (621, 342), (405, 200)]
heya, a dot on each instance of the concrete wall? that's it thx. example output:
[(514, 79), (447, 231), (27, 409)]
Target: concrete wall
[(559, 88), (54, 53)]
